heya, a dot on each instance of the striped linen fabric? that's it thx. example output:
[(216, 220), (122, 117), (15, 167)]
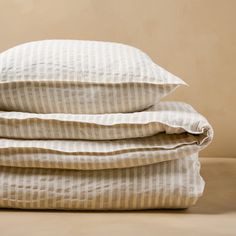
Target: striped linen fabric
[(176, 130), (154, 165), (168, 117), (82, 128), (170, 184), (80, 77)]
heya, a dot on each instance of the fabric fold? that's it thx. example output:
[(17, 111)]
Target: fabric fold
[(179, 131), (122, 161), (170, 184), (168, 117), (83, 127)]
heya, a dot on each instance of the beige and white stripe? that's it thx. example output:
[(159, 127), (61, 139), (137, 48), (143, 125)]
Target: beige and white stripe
[(158, 171), (79, 130), (168, 117), (170, 184), (80, 77), (179, 132)]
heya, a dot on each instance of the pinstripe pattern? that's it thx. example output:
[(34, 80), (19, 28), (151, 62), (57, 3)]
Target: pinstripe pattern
[(80, 77), (169, 117), (142, 172), (170, 184), (179, 132), (79, 129)]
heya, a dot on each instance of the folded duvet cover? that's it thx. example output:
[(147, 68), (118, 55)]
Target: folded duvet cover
[(170, 184), (121, 161)]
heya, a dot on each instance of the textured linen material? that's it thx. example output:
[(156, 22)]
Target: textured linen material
[(95, 155), (80, 77), (81, 154), (170, 184), (180, 131), (168, 117)]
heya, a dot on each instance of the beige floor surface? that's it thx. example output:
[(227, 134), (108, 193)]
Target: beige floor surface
[(214, 214)]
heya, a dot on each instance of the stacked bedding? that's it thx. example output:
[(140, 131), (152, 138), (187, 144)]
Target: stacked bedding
[(82, 127)]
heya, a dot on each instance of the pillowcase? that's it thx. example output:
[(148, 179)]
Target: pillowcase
[(80, 77)]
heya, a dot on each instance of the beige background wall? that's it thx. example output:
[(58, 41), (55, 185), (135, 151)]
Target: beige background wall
[(195, 39)]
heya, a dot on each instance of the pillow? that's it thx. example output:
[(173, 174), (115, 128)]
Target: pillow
[(80, 77)]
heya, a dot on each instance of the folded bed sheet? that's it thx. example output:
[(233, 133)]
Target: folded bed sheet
[(176, 130), (168, 117), (170, 184), (139, 160)]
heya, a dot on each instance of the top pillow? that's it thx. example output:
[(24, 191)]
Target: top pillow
[(80, 77)]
